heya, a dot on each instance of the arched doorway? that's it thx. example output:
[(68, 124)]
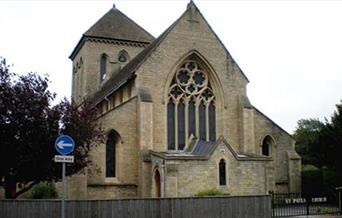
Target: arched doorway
[(157, 183)]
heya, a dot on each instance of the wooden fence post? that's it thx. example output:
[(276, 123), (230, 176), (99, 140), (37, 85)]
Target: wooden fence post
[(272, 202)]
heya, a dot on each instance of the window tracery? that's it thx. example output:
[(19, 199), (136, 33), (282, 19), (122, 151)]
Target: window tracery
[(191, 106)]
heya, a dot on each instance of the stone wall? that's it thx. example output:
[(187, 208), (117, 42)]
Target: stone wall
[(122, 119), (283, 143), (111, 191), (184, 178), (86, 80), (227, 81)]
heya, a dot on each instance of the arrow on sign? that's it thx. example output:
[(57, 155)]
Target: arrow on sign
[(61, 144)]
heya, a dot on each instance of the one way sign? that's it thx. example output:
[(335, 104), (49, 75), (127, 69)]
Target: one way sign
[(64, 144)]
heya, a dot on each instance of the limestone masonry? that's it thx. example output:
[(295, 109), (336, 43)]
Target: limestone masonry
[(176, 115)]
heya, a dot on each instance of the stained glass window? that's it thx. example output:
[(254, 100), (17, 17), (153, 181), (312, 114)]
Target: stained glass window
[(171, 125), (192, 118), (181, 126), (212, 122), (202, 126), (190, 100)]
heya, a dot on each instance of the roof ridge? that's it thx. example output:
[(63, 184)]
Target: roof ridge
[(192, 3), (115, 10), (133, 65), (114, 24), (128, 70)]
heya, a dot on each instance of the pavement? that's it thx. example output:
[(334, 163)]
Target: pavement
[(318, 216)]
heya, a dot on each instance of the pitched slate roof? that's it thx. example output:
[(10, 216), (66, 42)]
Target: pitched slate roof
[(116, 25), (128, 71), (202, 150)]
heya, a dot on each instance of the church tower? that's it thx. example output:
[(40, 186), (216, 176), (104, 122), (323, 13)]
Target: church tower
[(103, 50)]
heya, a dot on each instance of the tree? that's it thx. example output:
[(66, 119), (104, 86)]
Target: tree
[(29, 125), (331, 137), (320, 145), (307, 139)]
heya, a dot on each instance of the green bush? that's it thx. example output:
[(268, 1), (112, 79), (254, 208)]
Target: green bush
[(310, 168), (44, 190), (311, 180), (210, 192)]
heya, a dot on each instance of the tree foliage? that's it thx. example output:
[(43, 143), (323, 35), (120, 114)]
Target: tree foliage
[(320, 145), (29, 125), (307, 139)]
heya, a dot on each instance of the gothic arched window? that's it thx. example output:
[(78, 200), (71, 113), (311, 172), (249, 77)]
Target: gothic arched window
[(190, 107), (266, 146), (111, 144), (222, 172), (103, 67)]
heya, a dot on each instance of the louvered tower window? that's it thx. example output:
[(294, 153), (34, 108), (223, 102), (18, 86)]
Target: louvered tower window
[(191, 106)]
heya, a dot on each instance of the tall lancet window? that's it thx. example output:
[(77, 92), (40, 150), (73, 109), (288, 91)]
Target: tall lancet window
[(222, 172), (111, 147), (103, 67), (191, 106)]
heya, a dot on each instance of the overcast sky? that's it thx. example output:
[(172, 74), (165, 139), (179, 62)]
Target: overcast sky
[(291, 51)]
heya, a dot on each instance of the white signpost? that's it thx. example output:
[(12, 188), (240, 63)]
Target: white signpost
[(64, 159), (64, 145)]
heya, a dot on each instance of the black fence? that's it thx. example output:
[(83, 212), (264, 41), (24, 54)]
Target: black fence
[(296, 204)]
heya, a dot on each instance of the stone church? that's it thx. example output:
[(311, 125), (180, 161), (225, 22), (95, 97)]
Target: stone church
[(176, 115)]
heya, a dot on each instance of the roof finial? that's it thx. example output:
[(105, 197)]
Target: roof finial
[(114, 5), (191, 3)]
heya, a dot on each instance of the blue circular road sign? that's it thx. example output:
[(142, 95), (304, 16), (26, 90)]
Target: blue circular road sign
[(64, 144)]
